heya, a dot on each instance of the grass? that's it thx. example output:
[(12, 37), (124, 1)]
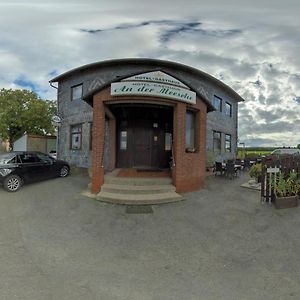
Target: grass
[(242, 153)]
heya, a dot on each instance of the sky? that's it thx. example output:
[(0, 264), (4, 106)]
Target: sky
[(252, 46)]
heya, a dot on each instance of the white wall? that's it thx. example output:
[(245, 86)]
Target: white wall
[(21, 144)]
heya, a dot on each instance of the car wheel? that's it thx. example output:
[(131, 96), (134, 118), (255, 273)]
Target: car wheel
[(64, 171), (12, 183)]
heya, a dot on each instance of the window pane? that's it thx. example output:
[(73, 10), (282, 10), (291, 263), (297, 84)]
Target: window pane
[(28, 158), (217, 141), (44, 158), (190, 131), (76, 140), (77, 92), (228, 109), (228, 143), (76, 128), (76, 137), (217, 103)]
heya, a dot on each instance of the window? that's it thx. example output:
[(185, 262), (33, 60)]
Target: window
[(76, 137), (190, 140), (76, 92), (44, 158), (227, 142), (27, 158), (217, 103), (228, 109), (217, 141)]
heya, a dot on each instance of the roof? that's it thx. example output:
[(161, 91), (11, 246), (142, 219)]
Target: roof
[(156, 63)]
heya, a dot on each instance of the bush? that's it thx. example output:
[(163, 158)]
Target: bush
[(285, 186), (256, 171)]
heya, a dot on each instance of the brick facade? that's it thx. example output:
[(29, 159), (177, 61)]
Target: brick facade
[(189, 171)]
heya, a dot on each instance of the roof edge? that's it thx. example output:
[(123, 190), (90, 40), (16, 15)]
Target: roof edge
[(157, 62)]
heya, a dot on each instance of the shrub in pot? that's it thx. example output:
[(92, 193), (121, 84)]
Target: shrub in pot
[(256, 172), (286, 189)]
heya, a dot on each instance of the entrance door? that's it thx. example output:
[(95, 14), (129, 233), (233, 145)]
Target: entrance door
[(142, 144), (142, 141)]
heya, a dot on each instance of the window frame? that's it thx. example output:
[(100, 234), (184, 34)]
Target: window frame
[(72, 92), (219, 109), (79, 125)]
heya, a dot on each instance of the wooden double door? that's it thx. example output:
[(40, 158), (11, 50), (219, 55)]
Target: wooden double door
[(144, 143)]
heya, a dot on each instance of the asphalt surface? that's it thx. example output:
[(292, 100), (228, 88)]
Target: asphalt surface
[(221, 243)]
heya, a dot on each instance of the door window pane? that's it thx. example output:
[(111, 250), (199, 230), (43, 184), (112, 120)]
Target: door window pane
[(123, 140)]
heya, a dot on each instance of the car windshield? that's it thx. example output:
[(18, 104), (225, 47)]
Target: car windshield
[(7, 158)]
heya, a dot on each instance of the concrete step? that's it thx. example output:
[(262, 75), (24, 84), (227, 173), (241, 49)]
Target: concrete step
[(139, 199), (137, 181), (137, 189)]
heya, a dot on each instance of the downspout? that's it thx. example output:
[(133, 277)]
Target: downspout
[(55, 87)]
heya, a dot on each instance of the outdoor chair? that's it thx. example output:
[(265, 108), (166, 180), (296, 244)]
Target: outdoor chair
[(219, 168), (230, 170), (246, 164)]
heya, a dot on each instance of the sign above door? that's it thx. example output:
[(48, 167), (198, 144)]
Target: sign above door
[(155, 84)]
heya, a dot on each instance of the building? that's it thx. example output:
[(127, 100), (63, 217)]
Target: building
[(145, 113), (31, 142)]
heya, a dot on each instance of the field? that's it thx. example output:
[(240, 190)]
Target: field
[(252, 152)]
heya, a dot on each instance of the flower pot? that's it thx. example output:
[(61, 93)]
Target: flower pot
[(286, 202)]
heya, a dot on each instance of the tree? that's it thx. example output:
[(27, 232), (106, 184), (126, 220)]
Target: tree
[(298, 146), (23, 111)]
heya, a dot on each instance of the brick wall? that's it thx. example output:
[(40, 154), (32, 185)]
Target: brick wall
[(189, 171)]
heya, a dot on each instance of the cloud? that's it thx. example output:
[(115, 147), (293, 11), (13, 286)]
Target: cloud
[(251, 46)]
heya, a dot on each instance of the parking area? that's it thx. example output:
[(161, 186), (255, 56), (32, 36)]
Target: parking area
[(220, 243)]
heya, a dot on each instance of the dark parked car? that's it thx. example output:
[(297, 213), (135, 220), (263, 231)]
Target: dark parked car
[(21, 167)]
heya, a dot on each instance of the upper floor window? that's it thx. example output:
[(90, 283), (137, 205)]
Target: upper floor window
[(76, 92), (217, 103), (190, 131), (227, 142), (228, 109), (217, 141), (76, 137)]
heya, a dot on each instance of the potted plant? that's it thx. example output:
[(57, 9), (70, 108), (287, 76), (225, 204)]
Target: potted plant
[(286, 189), (256, 172)]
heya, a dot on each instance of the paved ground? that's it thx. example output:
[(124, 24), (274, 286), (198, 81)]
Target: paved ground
[(219, 244)]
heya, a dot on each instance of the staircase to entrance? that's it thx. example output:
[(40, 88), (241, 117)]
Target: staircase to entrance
[(140, 190)]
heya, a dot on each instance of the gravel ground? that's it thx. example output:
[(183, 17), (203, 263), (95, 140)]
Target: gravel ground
[(220, 243)]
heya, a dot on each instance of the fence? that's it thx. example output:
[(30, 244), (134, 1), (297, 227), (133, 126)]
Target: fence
[(271, 167)]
